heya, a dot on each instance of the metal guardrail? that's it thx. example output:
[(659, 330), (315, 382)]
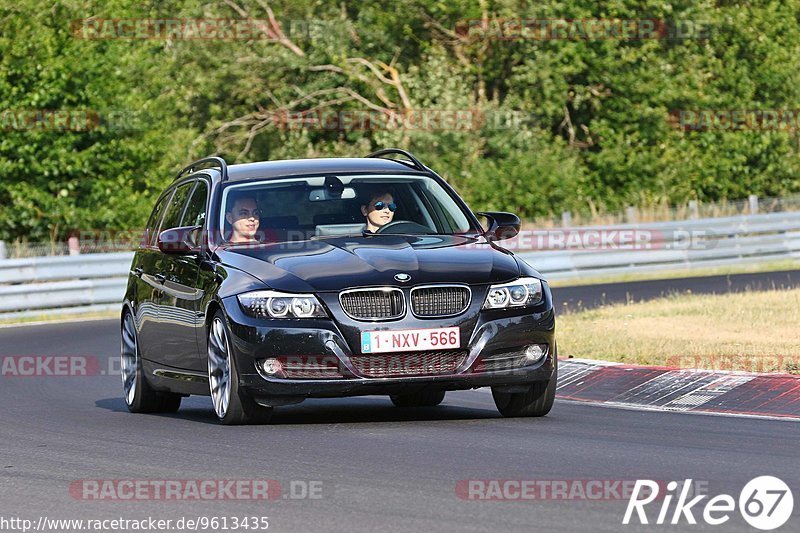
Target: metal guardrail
[(97, 281), (79, 283), (714, 242), (65, 267)]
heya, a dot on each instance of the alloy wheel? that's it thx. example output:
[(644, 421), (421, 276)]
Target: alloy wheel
[(129, 358), (219, 368)]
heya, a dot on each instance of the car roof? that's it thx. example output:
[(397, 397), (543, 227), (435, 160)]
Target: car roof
[(331, 165)]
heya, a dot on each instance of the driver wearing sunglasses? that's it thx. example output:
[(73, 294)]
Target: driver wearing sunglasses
[(379, 210)]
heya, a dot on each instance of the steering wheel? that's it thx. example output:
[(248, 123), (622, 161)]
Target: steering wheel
[(404, 226)]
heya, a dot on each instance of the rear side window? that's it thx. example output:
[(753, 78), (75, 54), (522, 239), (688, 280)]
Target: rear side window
[(154, 224), (196, 210), (172, 218)]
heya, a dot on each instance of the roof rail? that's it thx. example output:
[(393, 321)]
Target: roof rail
[(217, 162), (414, 162)]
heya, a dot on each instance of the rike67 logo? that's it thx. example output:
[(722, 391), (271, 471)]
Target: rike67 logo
[(765, 503)]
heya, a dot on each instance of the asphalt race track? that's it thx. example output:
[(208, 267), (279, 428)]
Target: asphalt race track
[(374, 467), (590, 296)]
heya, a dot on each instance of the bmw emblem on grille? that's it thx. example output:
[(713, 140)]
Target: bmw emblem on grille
[(402, 277)]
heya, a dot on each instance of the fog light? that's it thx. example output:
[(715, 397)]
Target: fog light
[(535, 352), (271, 366)]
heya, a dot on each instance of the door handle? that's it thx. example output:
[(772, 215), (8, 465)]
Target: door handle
[(160, 278)]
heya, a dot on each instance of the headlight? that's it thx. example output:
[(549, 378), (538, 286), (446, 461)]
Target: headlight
[(520, 293), (273, 304)]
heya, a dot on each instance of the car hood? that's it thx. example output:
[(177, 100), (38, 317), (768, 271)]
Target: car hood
[(333, 264)]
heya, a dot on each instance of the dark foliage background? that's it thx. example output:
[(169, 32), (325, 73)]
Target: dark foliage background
[(572, 124)]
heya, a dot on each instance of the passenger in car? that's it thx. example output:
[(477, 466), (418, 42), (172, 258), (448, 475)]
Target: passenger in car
[(378, 210), (244, 216)]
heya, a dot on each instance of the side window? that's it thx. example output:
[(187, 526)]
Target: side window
[(154, 224), (196, 210), (172, 218)]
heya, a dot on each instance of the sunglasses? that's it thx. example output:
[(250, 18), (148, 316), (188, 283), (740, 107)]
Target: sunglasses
[(381, 205)]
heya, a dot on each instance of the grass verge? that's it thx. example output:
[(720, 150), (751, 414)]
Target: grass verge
[(751, 331), (66, 317)]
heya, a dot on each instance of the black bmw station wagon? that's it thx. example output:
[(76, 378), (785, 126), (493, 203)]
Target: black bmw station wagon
[(264, 284)]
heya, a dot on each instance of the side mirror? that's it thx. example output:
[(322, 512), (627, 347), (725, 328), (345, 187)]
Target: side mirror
[(179, 241), (501, 225)]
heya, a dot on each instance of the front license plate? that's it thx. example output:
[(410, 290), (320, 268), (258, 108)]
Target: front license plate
[(410, 340)]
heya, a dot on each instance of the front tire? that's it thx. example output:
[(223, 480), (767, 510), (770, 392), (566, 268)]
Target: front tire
[(139, 397), (536, 401), (420, 399), (230, 405)]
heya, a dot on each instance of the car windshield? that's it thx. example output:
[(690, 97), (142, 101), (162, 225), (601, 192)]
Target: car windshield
[(291, 209)]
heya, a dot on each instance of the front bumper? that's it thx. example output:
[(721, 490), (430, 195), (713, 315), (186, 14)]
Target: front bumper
[(297, 390), (484, 334)]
